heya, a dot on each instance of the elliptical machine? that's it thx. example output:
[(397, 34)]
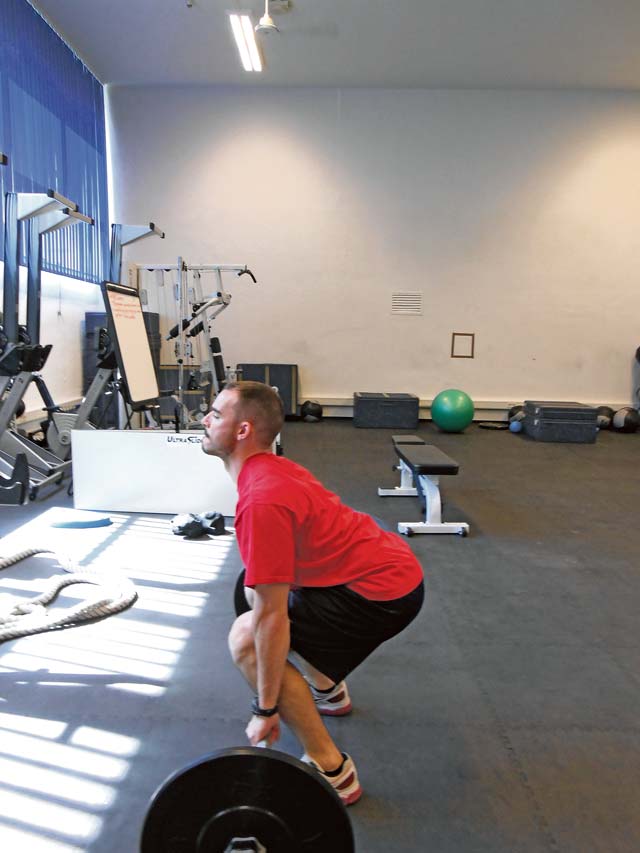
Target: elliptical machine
[(22, 357)]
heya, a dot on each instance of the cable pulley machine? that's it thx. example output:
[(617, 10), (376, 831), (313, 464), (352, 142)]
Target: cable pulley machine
[(195, 318)]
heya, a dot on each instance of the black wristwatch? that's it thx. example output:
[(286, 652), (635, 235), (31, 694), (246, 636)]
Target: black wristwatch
[(262, 712)]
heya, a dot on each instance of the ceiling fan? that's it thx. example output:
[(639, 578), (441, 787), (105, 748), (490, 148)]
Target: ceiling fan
[(266, 25)]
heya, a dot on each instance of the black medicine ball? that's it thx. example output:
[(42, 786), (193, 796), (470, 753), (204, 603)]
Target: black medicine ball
[(311, 412), (604, 417), (626, 419)]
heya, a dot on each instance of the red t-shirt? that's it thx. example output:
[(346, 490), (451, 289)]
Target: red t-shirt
[(290, 529)]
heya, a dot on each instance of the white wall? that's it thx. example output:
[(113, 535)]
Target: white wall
[(516, 214), (63, 306)]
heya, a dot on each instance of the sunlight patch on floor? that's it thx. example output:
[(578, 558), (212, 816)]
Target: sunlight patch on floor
[(56, 784)]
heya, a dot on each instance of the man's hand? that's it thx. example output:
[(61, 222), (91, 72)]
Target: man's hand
[(263, 728)]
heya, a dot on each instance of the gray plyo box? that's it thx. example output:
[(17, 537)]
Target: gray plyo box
[(574, 423), (560, 411), (385, 411), (575, 432)]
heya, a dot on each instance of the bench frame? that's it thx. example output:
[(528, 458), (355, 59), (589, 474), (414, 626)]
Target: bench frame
[(430, 487)]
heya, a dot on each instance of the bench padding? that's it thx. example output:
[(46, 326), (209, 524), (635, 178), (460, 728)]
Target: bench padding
[(426, 459), (406, 439)]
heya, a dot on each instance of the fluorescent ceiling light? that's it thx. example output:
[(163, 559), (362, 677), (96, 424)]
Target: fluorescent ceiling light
[(250, 36), (245, 39)]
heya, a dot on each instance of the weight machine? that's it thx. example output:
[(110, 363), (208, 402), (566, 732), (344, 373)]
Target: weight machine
[(14, 489), (22, 357), (196, 312), (109, 366)]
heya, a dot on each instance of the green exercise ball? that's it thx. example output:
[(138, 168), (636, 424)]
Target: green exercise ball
[(452, 410)]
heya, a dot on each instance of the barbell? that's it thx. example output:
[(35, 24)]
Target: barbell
[(247, 799)]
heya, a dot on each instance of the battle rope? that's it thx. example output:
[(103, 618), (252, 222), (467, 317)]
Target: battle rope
[(32, 617), (65, 562)]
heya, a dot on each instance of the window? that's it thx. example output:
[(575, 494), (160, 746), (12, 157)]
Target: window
[(52, 128)]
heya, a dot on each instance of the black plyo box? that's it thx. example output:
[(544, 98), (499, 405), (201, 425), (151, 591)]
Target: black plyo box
[(283, 376), (547, 420), (387, 411)]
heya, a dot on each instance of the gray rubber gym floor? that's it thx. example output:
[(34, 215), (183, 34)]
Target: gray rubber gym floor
[(507, 718)]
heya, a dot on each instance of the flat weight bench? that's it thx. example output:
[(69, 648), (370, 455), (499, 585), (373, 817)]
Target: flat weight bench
[(423, 464)]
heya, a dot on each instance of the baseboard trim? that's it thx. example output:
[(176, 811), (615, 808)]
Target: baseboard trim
[(485, 410)]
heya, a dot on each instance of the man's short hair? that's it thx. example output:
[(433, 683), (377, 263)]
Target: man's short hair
[(261, 405)]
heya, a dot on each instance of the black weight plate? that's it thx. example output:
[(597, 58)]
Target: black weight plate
[(258, 788), (246, 822), (239, 598)]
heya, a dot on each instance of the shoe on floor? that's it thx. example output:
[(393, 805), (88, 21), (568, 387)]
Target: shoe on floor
[(345, 783), (334, 704)]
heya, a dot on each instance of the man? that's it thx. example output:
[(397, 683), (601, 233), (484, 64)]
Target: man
[(327, 584)]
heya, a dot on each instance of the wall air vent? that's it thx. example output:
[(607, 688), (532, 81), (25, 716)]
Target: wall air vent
[(406, 302)]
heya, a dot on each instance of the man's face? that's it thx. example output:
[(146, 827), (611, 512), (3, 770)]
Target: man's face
[(220, 426)]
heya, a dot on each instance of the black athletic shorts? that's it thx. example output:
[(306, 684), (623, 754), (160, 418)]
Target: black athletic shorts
[(335, 629)]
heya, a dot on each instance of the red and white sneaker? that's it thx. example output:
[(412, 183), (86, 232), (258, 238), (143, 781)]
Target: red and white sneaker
[(345, 782), (337, 703)]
